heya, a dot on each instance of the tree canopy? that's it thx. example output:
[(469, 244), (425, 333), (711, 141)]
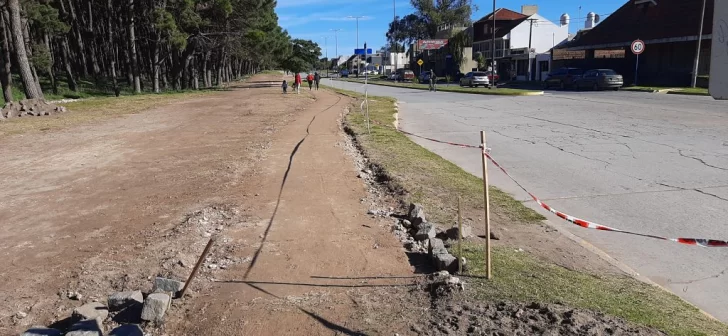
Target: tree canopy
[(427, 17), (151, 45)]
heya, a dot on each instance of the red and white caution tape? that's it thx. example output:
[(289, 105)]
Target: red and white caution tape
[(592, 225)]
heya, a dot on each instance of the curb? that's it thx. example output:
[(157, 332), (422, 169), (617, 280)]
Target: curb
[(534, 93)]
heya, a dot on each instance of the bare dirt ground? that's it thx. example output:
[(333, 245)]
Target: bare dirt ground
[(105, 207)]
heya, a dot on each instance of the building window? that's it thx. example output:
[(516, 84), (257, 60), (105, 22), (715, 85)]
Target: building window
[(544, 66)]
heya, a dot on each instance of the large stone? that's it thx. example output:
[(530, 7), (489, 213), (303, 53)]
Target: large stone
[(121, 300), (167, 285), (155, 306), (446, 262), (127, 330), (416, 214), (41, 331), (452, 233), (436, 246), (425, 231), (91, 311), (86, 328)]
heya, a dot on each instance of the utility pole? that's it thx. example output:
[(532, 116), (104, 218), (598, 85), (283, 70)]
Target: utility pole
[(492, 50), (396, 44), (530, 35), (336, 37), (358, 64), (697, 52)]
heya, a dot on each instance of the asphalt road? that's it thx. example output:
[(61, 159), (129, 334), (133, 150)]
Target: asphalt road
[(651, 163)]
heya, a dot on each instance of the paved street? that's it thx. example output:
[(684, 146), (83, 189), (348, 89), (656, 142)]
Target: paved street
[(650, 163)]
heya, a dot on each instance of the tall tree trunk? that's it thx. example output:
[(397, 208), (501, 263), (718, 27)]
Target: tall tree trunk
[(26, 74), (29, 49), (6, 76), (51, 74), (67, 64), (195, 74), (79, 37), (133, 51), (112, 46), (206, 70)]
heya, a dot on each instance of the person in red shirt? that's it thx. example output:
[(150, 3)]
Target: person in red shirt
[(298, 82), (309, 79)]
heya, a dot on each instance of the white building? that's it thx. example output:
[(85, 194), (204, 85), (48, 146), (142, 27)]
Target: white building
[(514, 33)]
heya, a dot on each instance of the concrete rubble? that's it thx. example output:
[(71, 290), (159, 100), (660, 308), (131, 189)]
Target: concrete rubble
[(29, 107), (155, 306), (167, 285), (91, 311), (41, 331), (121, 300)]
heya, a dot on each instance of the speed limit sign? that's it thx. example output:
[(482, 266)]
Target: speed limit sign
[(638, 47)]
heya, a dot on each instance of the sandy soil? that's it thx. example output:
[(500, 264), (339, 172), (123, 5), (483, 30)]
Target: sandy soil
[(105, 207)]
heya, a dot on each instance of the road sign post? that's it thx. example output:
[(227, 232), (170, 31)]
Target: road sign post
[(637, 47), (420, 62)]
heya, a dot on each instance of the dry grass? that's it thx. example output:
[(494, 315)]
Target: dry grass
[(92, 110)]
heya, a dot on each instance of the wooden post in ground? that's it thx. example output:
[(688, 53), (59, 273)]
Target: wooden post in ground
[(460, 238), (197, 266), (486, 202)]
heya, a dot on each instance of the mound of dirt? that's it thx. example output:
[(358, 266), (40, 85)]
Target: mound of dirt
[(29, 107), (525, 319)]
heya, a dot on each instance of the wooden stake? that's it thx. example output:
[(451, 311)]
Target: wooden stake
[(197, 265), (460, 238), (486, 200)]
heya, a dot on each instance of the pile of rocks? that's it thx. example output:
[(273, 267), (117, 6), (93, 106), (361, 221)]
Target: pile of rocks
[(131, 309), (29, 107), (419, 235)]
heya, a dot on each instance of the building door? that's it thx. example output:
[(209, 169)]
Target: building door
[(543, 70)]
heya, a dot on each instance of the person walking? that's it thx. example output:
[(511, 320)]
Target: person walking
[(317, 79), (285, 86), (309, 79), (433, 80), (298, 82)]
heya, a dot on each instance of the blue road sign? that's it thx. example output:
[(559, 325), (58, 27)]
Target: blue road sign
[(361, 51)]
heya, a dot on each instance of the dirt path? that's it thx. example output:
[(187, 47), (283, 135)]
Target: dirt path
[(104, 207), (319, 247)]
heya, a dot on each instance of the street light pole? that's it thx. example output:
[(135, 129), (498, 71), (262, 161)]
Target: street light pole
[(326, 48), (358, 64), (492, 50), (694, 82)]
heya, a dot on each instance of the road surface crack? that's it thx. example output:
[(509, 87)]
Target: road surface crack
[(680, 151), (577, 154)]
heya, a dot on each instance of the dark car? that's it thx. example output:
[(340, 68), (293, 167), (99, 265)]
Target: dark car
[(599, 79), (563, 78)]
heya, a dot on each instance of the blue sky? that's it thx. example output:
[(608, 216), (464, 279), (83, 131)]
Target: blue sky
[(314, 19)]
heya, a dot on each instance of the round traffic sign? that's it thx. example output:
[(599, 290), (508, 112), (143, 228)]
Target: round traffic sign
[(638, 47)]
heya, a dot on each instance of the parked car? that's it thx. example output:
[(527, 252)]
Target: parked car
[(476, 78), (405, 75), (563, 78), (490, 76), (424, 77), (598, 79), (344, 73)]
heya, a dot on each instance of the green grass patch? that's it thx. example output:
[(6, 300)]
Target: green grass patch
[(519, 276), (428, 178), (452, 88), (670, 90)]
